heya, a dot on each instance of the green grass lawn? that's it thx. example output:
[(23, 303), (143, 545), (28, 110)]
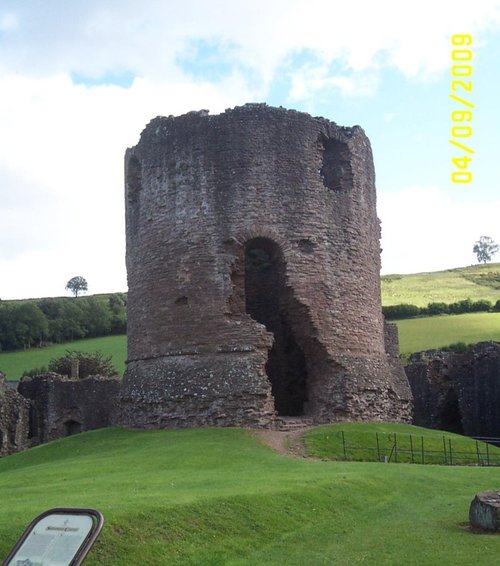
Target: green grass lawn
[(417, 334), (475, 282), (13, 364), (220, 497)]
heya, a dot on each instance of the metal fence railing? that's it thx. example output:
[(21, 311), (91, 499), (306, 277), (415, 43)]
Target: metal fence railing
[(418, 449)]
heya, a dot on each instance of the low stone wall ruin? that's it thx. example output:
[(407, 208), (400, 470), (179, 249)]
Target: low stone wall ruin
[(51, 406), (60, 406), (457, 392)]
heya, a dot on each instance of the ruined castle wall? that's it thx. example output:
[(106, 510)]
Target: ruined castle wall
[(13, 420), (208, 200), (459, 392), (60, 406)]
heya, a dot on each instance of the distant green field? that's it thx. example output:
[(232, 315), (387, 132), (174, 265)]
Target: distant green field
[(417, 334), (13, 364), (475, 283), (217, 497)]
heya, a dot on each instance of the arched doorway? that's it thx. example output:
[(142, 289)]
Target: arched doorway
[(450, 414), (266, 301), (72, 427)]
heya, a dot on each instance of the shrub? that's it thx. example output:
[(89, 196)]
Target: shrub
[(459, 347), (400, 311), (391, 278), (91, 363), (481, 306), (461, 307), (437, 308), (35, 371)]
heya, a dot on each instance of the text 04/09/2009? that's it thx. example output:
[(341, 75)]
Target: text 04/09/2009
[(461, 115)]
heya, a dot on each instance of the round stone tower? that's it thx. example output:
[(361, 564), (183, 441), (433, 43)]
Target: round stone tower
[(253, 266)]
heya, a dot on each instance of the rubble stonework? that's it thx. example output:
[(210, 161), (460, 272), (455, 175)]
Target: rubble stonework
[(253, 266), (13, 420), (61, 406), (458, 392)]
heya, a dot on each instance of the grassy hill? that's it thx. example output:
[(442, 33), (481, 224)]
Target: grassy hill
[(450, 286), (400, 443), (220, 497), (476, 282)]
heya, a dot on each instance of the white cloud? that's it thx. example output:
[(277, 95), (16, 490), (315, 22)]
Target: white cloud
[(94, 37), (61, 174), (426, 229), (311, 81), (62, 145)]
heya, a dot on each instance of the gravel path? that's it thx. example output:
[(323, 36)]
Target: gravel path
[(288, 443)]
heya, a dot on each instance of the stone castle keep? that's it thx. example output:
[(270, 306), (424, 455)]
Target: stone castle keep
[(253, 262), (253, 265)]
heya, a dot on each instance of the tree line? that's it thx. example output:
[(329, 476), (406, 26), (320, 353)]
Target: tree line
[(30, 323)]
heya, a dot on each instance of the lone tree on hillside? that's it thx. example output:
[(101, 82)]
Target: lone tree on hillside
[(485, 248), (76, 285)]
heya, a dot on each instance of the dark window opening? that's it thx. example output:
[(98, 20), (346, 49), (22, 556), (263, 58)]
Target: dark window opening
[(306, 246), (72, 427), (450, 414), (265, 302), (336, 170), (32, 422)]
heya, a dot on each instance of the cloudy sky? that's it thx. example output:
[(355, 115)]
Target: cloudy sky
[(79, 80)]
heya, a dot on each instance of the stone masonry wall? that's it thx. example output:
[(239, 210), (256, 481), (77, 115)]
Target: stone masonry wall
[(253, 265), (458, 392), (13, 420), (60, 406)]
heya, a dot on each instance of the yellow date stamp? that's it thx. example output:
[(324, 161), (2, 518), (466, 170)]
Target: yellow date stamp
[(462, 113)]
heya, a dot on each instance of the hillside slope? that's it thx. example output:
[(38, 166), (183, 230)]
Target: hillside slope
[(475, 282)]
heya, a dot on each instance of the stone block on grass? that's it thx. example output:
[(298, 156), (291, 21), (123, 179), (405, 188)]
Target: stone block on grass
[(484, 512)]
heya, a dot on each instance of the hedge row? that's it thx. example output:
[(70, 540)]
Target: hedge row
[(394, 312)]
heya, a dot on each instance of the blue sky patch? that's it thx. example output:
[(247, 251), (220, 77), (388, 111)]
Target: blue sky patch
[(208, 59), (122, 79)]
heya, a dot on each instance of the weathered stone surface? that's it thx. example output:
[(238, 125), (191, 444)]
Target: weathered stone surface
[(253, 265), (60, 406), (13, 420), (484, 512), (458, 392)]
